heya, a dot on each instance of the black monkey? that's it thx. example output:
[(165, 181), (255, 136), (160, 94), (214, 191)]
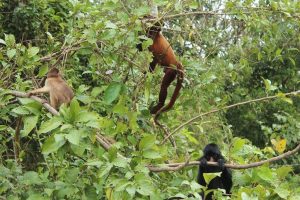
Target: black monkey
[(212, 153)]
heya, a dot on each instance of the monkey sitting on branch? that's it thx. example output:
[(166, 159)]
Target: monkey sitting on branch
[(57, 88)]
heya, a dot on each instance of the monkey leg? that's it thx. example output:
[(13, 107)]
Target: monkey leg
[(170, 75)]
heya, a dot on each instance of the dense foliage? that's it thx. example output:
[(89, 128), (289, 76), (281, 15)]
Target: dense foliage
[(232, 51)]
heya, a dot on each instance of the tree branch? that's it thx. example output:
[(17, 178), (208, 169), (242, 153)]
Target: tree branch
[(227, 107), (178, 166)]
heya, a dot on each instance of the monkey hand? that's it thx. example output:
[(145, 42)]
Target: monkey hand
[(203, 162), (221, 163), (29, 94)]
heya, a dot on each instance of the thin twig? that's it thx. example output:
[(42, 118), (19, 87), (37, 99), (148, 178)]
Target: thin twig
[(224, 108)]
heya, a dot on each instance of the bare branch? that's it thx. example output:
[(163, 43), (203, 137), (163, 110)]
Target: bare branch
[(178, 166), (38, 99), (227, 107)]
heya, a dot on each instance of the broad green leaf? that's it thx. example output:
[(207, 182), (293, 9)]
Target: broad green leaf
[(73, 136), (74, 110), (265, 173), (147, 142), (96, 91), (21, 110), (104, 169), (87, 116), (43, 70), (112, 92), (11, 53), (283, 191), (50, 125), (52, 144), (32, 51), (209, 176), (238, 145), (122, 184), (29, 124), (31, 178), (282, 172), (10, 40), (151, 154), (120, 162)]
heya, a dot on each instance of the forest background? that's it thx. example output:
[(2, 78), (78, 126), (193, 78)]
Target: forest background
[(105, 144)]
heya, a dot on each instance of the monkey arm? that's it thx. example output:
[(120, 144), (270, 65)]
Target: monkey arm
[(40, 90), (200, 177), (226, 178)]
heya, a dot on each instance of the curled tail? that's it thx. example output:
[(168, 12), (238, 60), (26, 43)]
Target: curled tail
[(180, 76)]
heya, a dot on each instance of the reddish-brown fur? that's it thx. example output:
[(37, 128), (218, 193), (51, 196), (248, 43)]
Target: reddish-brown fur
[(163, 54)]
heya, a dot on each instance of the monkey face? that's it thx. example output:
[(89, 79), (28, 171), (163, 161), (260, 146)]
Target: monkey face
[(53, 72)]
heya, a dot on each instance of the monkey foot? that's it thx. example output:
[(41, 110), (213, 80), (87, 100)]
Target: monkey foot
[(156, 108)]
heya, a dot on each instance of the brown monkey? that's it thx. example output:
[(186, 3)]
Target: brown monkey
[(163, 54), (57, 88)]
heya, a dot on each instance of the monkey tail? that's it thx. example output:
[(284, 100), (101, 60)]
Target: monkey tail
[(180, 76)]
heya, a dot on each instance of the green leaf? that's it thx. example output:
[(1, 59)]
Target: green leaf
[(49, 125), (29, 124), (32, 51), (104, 169), (96, 91), (282, 172), (209, 176), (87, 116), (238, 145), (73, 137), (10, 40), (74, 110), (43, 70), (112, 92), (266, 174), (11, 53), (120, 162), (31, 178), (53, 143), (151, 154), (122, 184), (21, 110), (2, 42), (147, 142), (283, 191)]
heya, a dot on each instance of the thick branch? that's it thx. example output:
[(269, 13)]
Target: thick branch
[(178, 166), (224, 108), (38, 99)]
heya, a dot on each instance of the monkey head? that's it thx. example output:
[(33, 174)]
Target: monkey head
[(54, 72), (212, 152)]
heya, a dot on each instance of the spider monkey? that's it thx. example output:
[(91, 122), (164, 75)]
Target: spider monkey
[(57, 88), (163, 54), (212, 153)]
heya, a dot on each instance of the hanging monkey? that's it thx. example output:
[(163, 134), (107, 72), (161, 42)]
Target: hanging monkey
[(163, 55), (57, 88)]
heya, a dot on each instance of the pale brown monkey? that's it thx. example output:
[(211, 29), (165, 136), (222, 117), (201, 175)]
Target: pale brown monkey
[(57, 88)]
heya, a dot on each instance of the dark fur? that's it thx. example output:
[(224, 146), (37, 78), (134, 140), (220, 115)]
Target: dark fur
[(223, 182)]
